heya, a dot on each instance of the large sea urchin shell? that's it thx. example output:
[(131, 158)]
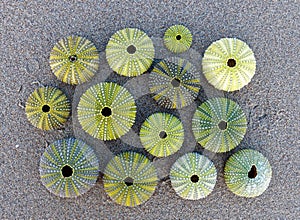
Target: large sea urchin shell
[(106, 111), (219, 124), (47, 108), (130, 179), (74, 60), (69, 168), (162, 134), (228, 64), (247, 173), (130, 52), (193, 176), (178, 38), (175, 83)]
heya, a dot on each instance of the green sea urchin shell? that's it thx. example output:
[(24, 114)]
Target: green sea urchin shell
[(69, 168), (219, 124), (47, 108), (175, 83), (130, 179), (247, 173), (130, 52), (228, 64), (178, 39), (106, 111), (193, 176), (74, 60), (162, 134)]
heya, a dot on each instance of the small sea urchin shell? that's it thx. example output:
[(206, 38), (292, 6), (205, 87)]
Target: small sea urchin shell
[(130, 179), (219, 124), (106, 111), (47, 108), (162, 134), (247, 173), (178, 38), (69, 168), (228, 64), (193, 176), (175, 83), (74, 60), (130, 52)]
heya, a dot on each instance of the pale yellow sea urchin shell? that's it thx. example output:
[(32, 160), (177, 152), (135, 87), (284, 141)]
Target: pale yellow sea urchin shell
[(130, 52), (228, 64)]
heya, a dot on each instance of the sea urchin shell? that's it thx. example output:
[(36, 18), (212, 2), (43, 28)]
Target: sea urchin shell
[(106, 111), (47, 108), (247, 173), (219, 124), (130, 52), (130, 179), (228, 64), (193, 176), (68, 168), (74, 60), (162, 134), (178, 38), (175, 83)]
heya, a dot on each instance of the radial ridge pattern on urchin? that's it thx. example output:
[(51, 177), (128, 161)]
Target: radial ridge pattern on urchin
[(106, 111), (130, 52), (219, 124), (193, 176), (130, 179), (162, 134), (174, 82), (247, 173), (74, 60), (47, 108), (229, 64), (178, 38), (69, 168)]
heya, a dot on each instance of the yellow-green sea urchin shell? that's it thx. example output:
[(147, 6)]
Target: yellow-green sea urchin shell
[(228, 64), (162, 134), (130, 179), (178, 38), (193, 176), (74, 60), (219, 124), (130, 52), (69, 168), (106, 111), (47, 108), (247, 173), (174, 82)]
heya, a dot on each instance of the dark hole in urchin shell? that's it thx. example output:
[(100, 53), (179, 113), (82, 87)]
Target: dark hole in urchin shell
[(46, 108), (195, 178), (131, 49), (67, 171), (73, 58), (106, 112), (178, 37), (253, 172), (231, 62), (175, 82), (163, 134), (128, 181), (223, 125)]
